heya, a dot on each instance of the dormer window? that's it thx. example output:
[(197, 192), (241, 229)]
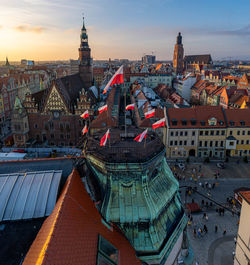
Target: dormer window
[(174, 122), (221, 122), (203, 123), (193, 121), (184, 122), (212, 121), (242, 123), (231, 123)]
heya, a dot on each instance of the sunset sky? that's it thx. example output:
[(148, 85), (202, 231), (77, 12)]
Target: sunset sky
[(49, 29)]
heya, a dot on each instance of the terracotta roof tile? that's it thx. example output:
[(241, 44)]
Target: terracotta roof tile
[(246, 195), (70, 234), (237, 116)]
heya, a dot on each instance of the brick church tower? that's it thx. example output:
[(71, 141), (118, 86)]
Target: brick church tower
[(178, 55), (85, 66)]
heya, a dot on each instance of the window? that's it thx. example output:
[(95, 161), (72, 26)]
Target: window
[(192, 143), (181, 133), (221, 143), (193, 133), (171, 143), (237, 142), (68, 136), (61, 126), (175, 143), (206, 132), (243, 132), (231, 132), (231, 123), (216, 143), (203, 123), (247, 141), (238, 132), (223, 132), (176, 133), (205, 143), (184, 122), (231, 143), (242, 142), (61, 136), (186, 133), (248, 132), (180, 142), (200, 143), (201, 132), (217, 132), (172, 133), (212, 133), (185, 142), (242, 123), (174, 122), (107, 253), (211, 143), (193, 122), (52, 136)]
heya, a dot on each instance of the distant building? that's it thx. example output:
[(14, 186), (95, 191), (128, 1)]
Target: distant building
[(74, 66), (197, 62), (148, 59), (178, 55), (242, 253), (183, 86)]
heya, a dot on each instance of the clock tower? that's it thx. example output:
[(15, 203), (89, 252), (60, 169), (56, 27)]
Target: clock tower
[(178, 55), (85, 66)]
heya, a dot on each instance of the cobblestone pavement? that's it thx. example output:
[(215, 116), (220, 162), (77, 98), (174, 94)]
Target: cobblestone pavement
[(213, 248)]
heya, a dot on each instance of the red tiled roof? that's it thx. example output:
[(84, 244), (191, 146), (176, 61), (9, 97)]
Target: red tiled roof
[(70, 234), (246, 195), (238, 115), (197, 113)]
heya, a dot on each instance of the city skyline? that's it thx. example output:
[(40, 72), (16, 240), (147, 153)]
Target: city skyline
[(41, 30)]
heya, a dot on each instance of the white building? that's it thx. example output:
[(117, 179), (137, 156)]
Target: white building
[(153, 80), (183, 86)]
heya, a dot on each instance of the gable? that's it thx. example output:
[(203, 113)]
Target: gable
[(55, 102)]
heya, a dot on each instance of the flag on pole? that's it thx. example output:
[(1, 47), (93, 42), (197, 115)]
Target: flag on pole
[(104, 108), (141, 136), (104, 138), (131, 106), (84, 130), (149, 114), (160, 123), (85, 114), (117, 78)]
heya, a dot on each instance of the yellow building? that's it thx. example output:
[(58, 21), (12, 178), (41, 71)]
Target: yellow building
[(242, 253), (238, 132)]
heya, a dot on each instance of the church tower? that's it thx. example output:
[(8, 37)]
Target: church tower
[(178, 55), (85, 66)]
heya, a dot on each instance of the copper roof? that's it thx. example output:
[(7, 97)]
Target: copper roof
[(70, 234)]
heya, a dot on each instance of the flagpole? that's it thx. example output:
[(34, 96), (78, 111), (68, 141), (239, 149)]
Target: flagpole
[(125, 111), (145, 141)]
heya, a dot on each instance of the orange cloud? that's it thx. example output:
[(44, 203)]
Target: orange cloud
[(28, 28)]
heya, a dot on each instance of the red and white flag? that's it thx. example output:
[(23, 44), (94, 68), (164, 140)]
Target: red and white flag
[(85, 114), (131, 106), (84, 130), (160, 123), (149, 114), (104, 108), (104, 138), (117, 78), (141, 136)]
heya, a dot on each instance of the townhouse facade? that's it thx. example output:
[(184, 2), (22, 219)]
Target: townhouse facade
[(207, 131)]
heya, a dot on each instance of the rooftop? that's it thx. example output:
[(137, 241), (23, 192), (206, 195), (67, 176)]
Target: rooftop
[(124, 149), (246, 196)]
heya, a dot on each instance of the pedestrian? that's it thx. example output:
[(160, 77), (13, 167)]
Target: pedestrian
[(204, 216), (233, 213), (205, 229), (194, 232), (224, 232), (215, 228), (191, 218)]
